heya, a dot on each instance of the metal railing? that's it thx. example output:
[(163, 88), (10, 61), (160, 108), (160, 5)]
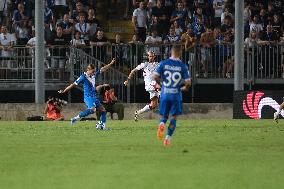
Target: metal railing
[(264, 64), (18, 64)]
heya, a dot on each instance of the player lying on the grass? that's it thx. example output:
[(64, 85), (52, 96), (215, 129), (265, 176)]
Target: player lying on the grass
[(276, 114), (173, 73), (150, 84), (88, 79)]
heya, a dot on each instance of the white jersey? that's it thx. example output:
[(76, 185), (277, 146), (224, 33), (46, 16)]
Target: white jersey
[(148, 70)]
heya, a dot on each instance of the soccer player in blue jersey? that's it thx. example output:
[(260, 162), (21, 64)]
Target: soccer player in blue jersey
[(174, 76), (88, 79)]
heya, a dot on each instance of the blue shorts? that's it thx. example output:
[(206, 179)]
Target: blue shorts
[(92, 102), (170, 107)]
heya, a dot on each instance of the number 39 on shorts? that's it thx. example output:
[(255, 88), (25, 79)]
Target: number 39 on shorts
[(171, 78)]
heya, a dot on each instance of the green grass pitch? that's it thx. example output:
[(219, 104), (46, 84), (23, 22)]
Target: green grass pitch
[(229, 154)]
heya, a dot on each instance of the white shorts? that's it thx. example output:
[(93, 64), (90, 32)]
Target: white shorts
[(153, 94)]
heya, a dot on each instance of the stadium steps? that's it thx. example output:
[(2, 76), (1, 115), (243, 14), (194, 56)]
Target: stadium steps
[(112, 22), (123, 27)]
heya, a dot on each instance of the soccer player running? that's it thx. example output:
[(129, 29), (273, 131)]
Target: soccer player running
[(150, 84), (175, 78), (88, 79), (276, 114)]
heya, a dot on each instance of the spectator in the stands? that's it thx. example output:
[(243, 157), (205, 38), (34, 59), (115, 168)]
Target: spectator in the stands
[(79, 10), (227, 53), (48, 14), (263, 18), (77, 41), (149, 10), (159, 13), (99, 43), (172, 37), (247, 13), (99, 38), (269, 36), (67, 26), (134, 40), (19, 14), (179, 15), (198, 14), (83, 27), (28, 4), (277, 24), (218, 6), (268, 39), (119, 51), (6, 42), (207, 41), (198, 27), (189, 35), (139, 21), (252, 40), (154, 41), (6, 47), (4, 11), (22, 33), (154, 24), (270, 12), (94, 23), (227, 27), (225, 14), (178, 29), (60, 8), (59, 51)]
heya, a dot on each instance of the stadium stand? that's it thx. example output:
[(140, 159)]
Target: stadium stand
[(96, 31)]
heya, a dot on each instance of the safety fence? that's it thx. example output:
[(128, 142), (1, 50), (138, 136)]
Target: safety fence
[(210, 64)]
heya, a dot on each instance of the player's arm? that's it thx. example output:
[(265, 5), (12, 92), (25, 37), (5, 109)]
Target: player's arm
[(186, 77), (106, 67), (130, 76), (68, 88), (187, 84)]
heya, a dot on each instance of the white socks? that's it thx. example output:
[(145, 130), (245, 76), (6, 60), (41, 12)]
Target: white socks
[(77, 117), (145, 109), (168, 137), (278, 111)]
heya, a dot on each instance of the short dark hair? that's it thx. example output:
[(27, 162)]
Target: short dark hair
[(176, 48)]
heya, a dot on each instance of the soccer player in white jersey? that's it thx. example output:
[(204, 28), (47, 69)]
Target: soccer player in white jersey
[(151, 85), (276, 114)]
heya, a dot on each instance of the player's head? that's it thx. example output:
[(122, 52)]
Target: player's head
[(91, 69), (151, 56), (176, 51)]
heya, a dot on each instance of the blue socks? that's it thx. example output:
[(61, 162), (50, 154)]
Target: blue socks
[(172, 127), (163, 120), (86, 113), (103, 117)]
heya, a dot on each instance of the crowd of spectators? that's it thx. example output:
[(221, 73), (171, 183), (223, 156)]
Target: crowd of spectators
[(163, 15), (188, 22), (63, 21)]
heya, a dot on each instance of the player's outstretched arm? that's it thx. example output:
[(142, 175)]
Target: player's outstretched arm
[(67, 89), (106, 67), (130, 76)]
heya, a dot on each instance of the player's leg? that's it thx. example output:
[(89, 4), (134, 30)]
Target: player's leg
[(276, 114), (102, 123), (164, 113), (175, 110), (153, 104), (90, 110), (171, 130)]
